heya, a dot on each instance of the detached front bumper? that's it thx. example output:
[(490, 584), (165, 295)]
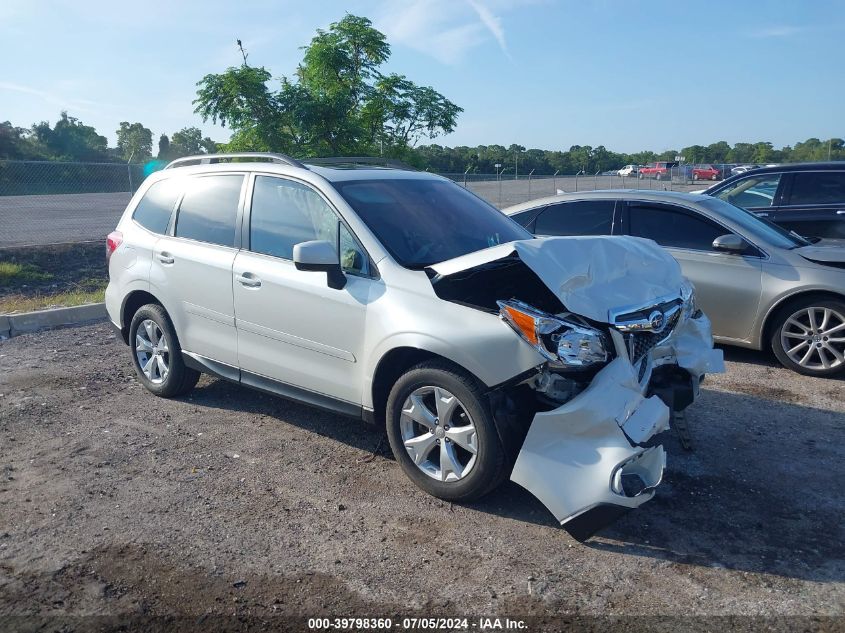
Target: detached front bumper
[(592, 458)]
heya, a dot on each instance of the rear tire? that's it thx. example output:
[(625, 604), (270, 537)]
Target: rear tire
[(157, 355), (809, 334), (440, 415)]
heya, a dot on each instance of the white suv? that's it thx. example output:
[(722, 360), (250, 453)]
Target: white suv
[(399, 297)]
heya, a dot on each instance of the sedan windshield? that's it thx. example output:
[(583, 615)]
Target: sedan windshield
[(754, 224), (425, 221)]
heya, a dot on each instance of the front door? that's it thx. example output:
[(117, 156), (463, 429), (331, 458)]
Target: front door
[(291, 326)]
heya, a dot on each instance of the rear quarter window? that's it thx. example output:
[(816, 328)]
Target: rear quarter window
[(154, 209)]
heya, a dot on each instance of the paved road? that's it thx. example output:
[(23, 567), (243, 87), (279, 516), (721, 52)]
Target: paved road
[(229, 503), (91, 216), (63, 218)]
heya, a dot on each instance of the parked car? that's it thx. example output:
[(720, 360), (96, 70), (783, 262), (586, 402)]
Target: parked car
[(399, 297), (808, 198), (629, 170), (705, 172), (762, 286), (659, 171), (743, 169)]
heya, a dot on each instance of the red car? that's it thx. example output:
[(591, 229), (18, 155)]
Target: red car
[(659, 171), (705, 172)]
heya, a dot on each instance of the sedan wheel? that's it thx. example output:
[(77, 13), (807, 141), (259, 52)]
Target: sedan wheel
[(438, 434), (812, 339)]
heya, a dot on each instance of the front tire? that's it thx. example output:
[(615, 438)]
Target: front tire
[(442, 433), (808, 337), (156, 354)]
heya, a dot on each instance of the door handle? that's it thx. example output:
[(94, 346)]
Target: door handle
[(763, 215), (840, 212), (249, 280), (165, 258)]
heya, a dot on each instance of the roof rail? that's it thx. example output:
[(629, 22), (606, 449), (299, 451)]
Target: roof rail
[(359, 160), (207, 159)]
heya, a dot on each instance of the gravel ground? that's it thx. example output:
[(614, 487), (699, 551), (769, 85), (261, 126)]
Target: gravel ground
[(232, 508)]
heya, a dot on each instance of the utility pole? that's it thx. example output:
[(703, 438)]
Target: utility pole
[(516, 165)]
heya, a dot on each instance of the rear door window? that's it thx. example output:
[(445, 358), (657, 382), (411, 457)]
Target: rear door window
[(584, 217), (675, 228), (154, 209), (209, 209), (818, 187)]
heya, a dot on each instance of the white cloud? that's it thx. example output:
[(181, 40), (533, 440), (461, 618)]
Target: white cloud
[(776, 31), (76, 105), (492, 22), (444, 29)]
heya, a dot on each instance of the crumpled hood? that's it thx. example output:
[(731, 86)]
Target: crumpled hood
[(589, 275), (826, 251)]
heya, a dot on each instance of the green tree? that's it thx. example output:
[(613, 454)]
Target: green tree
[(163, 147), (337, 103), (70, 139), (134, 141), (189, 141)]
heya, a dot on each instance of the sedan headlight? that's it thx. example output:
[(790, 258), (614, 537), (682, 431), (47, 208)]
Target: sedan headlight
[(561, 342), (688, 298)]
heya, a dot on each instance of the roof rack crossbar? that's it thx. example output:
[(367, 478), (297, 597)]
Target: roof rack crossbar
[(358, 160), (207, 159)]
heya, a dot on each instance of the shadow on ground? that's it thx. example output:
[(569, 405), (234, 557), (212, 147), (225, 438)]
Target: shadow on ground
[(745, 498)]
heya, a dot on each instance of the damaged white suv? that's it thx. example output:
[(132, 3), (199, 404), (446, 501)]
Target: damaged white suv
[(400, 297)]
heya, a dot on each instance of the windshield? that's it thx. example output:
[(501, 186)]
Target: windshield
[(422, 222), (754, 224)]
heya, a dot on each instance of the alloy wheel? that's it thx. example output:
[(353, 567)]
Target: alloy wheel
[(439, 434), (814, 338), (152, 351)]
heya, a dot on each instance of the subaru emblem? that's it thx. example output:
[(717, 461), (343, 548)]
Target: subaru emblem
[(656, 319)]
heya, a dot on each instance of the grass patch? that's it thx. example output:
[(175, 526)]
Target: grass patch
[(87, 291), (16, 273)]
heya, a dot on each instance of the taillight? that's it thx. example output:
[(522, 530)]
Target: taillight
[(114, 239)]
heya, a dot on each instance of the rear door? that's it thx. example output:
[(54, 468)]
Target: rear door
[(192, 266), (578, 217), (814, 204), (727, 286), (293, 328)]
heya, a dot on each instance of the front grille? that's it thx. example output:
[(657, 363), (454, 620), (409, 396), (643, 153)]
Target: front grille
[(641, 343)]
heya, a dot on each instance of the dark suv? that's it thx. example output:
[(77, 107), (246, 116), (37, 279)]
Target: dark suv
[(808, 198)]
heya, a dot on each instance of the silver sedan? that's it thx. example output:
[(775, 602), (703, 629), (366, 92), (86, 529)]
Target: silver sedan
[(762, 286)]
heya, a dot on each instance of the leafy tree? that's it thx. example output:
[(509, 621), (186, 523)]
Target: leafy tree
[(189, 141), (163, 147), (16, 142), (134, 141), (70, 139), (337, 103)]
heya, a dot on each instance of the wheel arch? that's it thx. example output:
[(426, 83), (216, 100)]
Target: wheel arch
[(130, 305), (774, 310), (392, 365)]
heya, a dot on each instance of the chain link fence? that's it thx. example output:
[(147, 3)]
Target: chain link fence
[(44, 202), (507, 189), (47, 202)]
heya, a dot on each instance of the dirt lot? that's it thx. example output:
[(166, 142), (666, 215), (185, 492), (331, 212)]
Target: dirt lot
[(235, 509)]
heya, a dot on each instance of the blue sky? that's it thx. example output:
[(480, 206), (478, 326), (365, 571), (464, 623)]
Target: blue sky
[(628, 75)]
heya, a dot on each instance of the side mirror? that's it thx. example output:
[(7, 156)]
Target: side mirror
[(730, 244), (320, 256)]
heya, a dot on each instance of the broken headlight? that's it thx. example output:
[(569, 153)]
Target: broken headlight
[(561, 342), (688, 298)]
